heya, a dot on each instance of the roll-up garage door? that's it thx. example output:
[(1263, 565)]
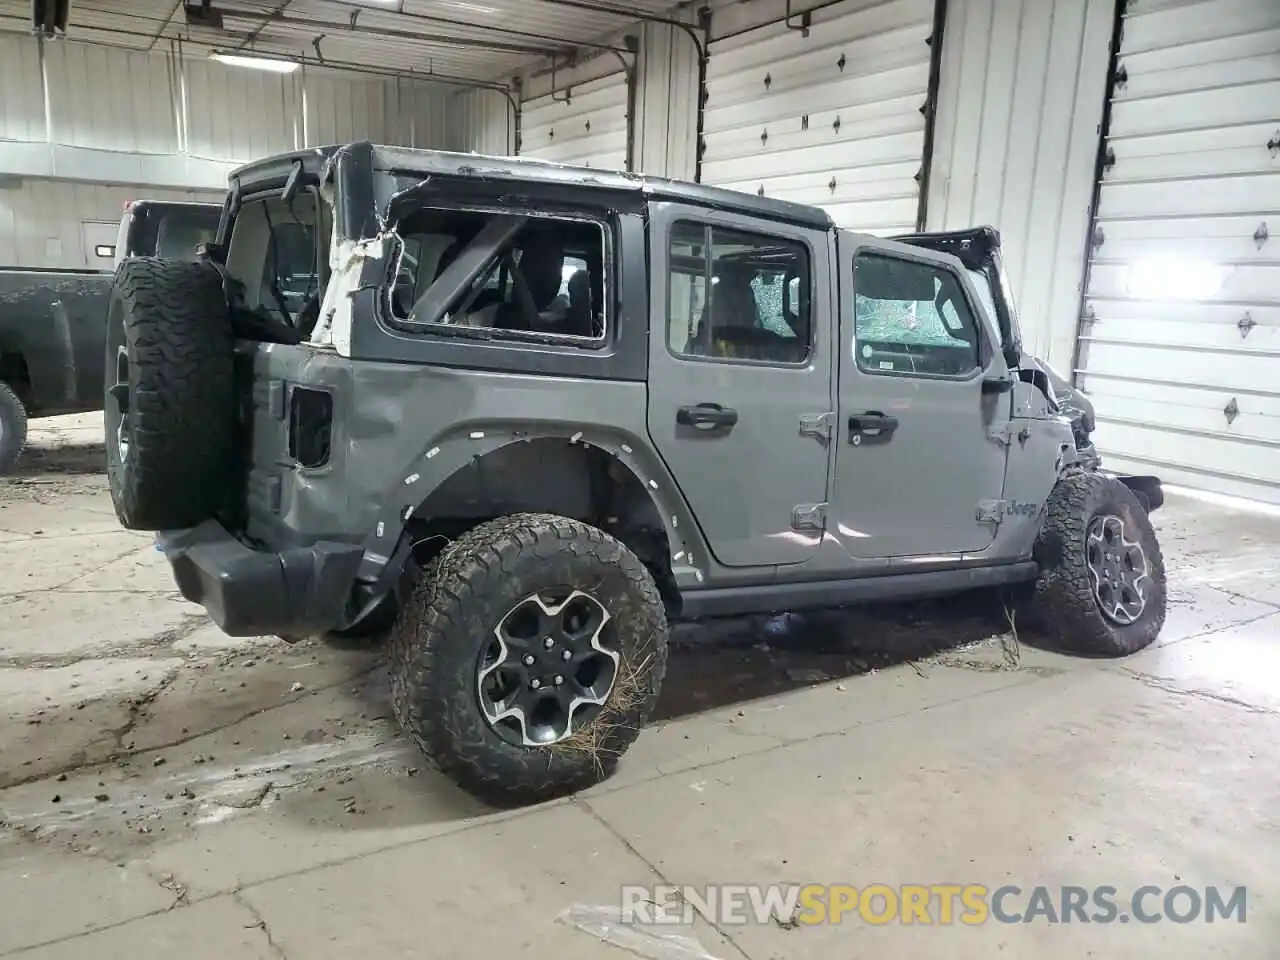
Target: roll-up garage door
[(585, 124), (829, 116), (1180, 339)]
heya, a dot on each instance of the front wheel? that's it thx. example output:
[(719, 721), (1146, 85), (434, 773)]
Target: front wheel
[(1101, 589), (528, 657)]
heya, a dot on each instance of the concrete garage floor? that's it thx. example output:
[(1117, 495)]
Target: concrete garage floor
[(165, 791)]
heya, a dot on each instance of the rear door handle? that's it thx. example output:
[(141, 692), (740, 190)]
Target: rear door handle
[(871, 427), (706, 416)]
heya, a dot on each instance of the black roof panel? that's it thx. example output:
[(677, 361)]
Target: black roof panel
[(529, 169), (410, 161)]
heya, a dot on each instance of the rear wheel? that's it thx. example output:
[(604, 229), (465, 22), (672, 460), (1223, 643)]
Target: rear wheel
[(1101, 589), (528, 657), (170, 393), (13, 428)]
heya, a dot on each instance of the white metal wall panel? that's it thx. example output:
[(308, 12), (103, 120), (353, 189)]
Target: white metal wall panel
[(832, 117), (339, 111), (667, 103), (111, 99), (485, 122), (1180, 346), (1020, 101), (589, 128), (238, 114), (21, 98), (41, 220), (115, 114), (419, 114)]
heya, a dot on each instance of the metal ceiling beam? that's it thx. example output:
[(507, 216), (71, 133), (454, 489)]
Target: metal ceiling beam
[(612, 11), (279, 16), (698, 33), (248, 41), (332, 27), (164, 25), (506, 31), (344, 66)]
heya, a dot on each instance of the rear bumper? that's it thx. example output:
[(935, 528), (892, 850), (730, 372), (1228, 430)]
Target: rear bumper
[(298, 592)]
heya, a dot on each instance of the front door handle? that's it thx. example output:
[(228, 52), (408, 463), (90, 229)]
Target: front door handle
[(706, 416), (871, 427)]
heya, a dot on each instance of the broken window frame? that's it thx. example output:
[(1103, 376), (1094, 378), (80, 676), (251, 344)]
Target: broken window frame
[(478, 259)]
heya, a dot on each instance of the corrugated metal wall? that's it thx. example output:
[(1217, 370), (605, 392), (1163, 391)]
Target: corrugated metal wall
[(484, 122), (1016, 141), (125, 102), (406, 112), (103, 98), (21, 95), (116, 117)]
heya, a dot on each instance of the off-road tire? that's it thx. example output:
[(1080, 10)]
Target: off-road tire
[(1064, 605), (171, 317), (449, 616), (13, 428)]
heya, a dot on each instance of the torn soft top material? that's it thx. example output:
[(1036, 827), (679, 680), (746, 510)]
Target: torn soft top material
[(346, 264)]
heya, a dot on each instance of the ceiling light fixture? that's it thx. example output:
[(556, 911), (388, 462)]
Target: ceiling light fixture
[(469, 7), (255, 62)]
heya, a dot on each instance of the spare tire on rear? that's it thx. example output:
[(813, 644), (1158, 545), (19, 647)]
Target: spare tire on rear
[(170, 406)]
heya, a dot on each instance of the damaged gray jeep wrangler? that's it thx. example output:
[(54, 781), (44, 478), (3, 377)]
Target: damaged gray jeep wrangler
[(527, 415)]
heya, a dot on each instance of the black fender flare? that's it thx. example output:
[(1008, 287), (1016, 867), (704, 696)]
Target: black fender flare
[(1148, 489), (388, 545)]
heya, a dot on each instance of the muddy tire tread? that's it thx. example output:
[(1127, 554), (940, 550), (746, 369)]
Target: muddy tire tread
[(1063, 604), (433, 625)]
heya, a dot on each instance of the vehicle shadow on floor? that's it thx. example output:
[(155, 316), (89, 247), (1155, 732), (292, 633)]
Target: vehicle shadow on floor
[(720, 663), (712, 665), (62, 459)]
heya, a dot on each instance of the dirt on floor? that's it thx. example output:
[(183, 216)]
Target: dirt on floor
[(132, 731), (128, 715)]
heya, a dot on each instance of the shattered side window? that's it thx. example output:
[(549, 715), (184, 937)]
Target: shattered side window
[(545, 279), (912, 317)]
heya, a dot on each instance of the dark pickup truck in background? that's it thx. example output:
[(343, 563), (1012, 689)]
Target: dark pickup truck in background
[(53, 322)]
